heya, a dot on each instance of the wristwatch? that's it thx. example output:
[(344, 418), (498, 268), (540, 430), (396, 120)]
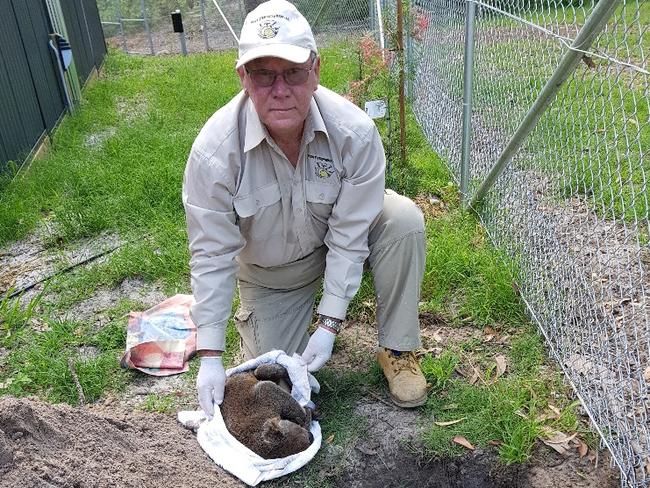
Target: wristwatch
[(334, 324)]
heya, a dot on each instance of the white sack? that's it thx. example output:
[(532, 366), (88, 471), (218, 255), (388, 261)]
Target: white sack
[(231, 454)]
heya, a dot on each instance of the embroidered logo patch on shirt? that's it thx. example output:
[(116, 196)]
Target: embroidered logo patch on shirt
[(323, 167), (268, 29), (324, 170)]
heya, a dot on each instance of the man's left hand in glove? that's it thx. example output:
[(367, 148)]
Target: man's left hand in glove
[(320, 345)]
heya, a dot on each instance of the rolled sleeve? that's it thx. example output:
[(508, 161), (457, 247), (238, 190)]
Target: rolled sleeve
[(359, 202), (214, 242)]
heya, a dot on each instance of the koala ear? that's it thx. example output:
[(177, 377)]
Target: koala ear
[(271, 372), (272, 432)]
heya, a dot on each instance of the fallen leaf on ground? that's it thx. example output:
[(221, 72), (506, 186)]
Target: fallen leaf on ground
[(495, 443), (451, 406), (501, 365), (554, 414), (329, 439), (559, 441), (449, 422), (490, 333), (459, 439), (437, 337), (472, 375), (583, 449), (367, 451), (521, 414)]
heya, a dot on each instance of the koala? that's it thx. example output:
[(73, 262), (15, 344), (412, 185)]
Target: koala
[(262, 415)]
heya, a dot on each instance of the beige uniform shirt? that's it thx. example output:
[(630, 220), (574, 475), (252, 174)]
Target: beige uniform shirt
[(245, 202)]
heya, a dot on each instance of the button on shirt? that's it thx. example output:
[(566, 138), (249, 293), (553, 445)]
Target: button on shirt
[(245, 202)]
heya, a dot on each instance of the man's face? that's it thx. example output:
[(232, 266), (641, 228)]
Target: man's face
[(281, 107)]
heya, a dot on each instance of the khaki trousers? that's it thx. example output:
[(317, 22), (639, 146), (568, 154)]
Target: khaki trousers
[(276, 304)]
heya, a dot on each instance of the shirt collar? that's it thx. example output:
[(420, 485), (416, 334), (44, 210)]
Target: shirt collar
[(314, 122), (256, 132)]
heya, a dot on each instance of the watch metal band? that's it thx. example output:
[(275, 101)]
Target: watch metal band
[(333, 324)]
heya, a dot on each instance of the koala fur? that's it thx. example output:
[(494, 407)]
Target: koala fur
[(263, 416)]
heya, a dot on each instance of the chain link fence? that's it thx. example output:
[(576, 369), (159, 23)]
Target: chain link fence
[(557, 171), (145, 26), (571, 207)]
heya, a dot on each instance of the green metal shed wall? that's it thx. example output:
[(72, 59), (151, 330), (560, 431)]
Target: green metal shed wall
[(31, 94)]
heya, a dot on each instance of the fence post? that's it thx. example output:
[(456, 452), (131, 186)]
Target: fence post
[(143, 7), (205, 26), (591, 28), (468, 78), (409, 50), (119, 20)]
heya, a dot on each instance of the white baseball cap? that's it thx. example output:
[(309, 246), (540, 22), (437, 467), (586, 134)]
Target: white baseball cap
[(276, 29)]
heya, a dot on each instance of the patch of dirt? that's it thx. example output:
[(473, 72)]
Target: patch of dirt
[(94, 309), (45, 445), (132, 109), (355, 346), (36, 258), (96, 140)]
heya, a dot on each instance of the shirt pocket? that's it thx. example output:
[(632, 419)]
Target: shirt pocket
[(320, 199), (259, 212)]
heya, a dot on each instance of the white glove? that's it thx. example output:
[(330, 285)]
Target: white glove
[(210, 383), (319, 349)]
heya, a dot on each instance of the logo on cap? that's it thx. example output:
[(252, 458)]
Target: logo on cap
[(268, 29)]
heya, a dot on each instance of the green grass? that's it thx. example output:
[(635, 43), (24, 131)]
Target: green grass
[(465, 278), (439, 370), (150, 110), (38, 359), (504, 411), (160, 404)]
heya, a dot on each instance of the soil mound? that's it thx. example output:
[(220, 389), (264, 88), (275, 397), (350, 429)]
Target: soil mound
[(43, 445)]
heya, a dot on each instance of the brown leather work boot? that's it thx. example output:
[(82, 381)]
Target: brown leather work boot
[(406, 383)]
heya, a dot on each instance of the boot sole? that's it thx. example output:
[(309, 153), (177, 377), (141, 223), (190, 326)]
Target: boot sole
[(411, 403)]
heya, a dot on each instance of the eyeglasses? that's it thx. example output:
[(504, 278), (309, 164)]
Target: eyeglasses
[(292, 76)]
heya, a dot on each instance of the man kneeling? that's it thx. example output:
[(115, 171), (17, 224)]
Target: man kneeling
[(283, 189)]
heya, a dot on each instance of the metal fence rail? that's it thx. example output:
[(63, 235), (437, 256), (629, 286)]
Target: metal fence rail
[(571, 207), (545, 124)]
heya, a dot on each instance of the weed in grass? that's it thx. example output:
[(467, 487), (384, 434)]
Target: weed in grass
[(159, 404), (527, 352), (568, 421), (438, 371), (14, 316)]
